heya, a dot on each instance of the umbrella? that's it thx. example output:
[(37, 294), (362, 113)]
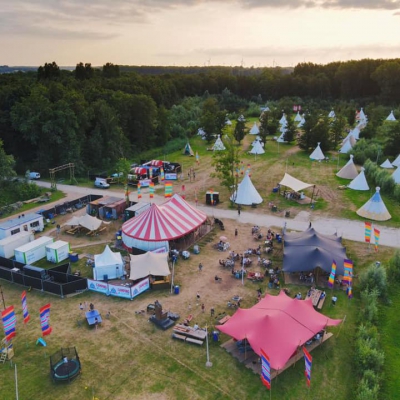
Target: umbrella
[(223, 238)]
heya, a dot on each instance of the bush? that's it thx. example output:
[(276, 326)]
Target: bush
[(393, 269), (367, 357), (369, 311), (374, 278), (365, 392)]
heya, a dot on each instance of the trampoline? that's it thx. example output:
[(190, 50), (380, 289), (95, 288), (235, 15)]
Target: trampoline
[(65, 365)]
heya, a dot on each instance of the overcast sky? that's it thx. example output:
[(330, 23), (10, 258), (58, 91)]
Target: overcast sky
[(197, 32)]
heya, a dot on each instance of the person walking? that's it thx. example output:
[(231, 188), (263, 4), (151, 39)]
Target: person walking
[(212, 311), (239, 211), (202, 307), (200, 267), (236, 232)]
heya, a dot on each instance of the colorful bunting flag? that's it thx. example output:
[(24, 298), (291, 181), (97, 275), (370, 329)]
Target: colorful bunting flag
[(265, 370), (350, 291), (151, 172), (139, 194), (308, 365), (168, 189), (162, 174), (9, 321), (348, 272), (151, 189), (25, 312), (368, 227), (331, 280), (377, 234), (44, 319)]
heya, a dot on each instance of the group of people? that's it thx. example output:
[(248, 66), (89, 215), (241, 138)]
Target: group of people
[(308, 278)]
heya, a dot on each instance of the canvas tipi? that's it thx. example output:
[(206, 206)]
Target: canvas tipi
[(391, 117), (257, 148), (331, 114), (317, 154), (302, 122), (374, 208), (254, 129), (387, 164), (347, 145), (246, 193), (188, 150), (359, 182), (396, 175), (281, 139), (349, 171), (228, 122), (297, 118), (396, 162), (283, 120), (218, 145)]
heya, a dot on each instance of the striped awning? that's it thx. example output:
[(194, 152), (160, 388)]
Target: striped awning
[(171, 220)]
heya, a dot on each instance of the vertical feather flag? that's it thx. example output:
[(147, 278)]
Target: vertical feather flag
[(368, 227), (151, 191), (348, 272), (151, 172), (44, 319), (265, 370), (183, 191), (162, 174), (139, 194), (168, 189), (25, 312), (350, 291), (308, 362), (9, 321), (197, 158), (377, 234), (331, 280)]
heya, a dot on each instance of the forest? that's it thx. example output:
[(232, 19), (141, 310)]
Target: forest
[(95, 116)]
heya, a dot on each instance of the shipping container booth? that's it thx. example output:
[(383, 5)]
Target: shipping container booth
[(57, 251), (22, 223), (33, 251), (9, 244), (107, 207)]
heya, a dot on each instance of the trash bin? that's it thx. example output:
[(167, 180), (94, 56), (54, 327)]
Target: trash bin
[(105, 278), (279, 238), (215, 336), (176, 289)]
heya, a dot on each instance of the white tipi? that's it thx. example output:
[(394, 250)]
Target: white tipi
[(283, 120), (374, 208), (317, 154), (228, 122), (246, 193), (331, 114), (359, 182), (349, 171), (281, 139), (355, 133), (297, 118), (396, 175), (347, 145), (257, 148), (362, 117), (254, 129), (302, 122), (391, 117), (396, 162), (387, 164), (218, 145)]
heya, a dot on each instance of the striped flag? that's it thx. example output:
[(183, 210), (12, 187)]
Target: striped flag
[(25, 312), (350, 291), (168, 189), (162, 174), (197, 158), (348, 272), (151, 172), (151, 191), (308, 362), (368, 227), (9, 321), (331, 280), (139, 194), (265, 369), (377, 234), (44, 319)]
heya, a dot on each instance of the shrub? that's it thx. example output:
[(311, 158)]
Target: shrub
[(365, 392), (369, 311), (374, 277), (393, 269), (367, 357)]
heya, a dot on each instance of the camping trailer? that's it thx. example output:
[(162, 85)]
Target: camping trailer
[(25, 222), (9, 244), (57, 251), (33, 251)]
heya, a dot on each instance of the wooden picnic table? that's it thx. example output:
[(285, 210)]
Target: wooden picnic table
[(315, 296)]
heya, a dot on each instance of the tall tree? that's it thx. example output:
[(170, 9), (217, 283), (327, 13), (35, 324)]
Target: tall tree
[(7, 163), (337, 130), (290, 132), (240, 131), (49, 71), (110, 70), (83, 72)]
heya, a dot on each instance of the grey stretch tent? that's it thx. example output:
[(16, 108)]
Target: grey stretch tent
[(304, 251)]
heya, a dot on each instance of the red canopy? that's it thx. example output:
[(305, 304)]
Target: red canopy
[(156, 163), (139, 171), (171, 220), (278, 325)]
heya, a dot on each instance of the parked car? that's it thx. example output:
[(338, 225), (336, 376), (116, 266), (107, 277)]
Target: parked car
[(101, 183), (34, 175)]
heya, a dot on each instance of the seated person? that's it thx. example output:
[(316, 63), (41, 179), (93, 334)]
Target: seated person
[(309, 292), (298, 296), (323, 294), (195, 327), (317, 336)]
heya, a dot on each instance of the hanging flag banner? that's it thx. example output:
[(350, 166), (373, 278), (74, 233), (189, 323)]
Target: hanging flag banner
[(162, 174), (168, 189), (308, 365), (9, 321), (183, 191), (350, 291), (197, 158), (248, 170), (331, 280), (377, 234), (25, 312), (44, 319), (348, 272), (368, 227), (139, 194), (151, 190), (295, 108), (265, 369)]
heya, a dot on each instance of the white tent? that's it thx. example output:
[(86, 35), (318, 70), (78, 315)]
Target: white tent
[(374, 208), (362, 117), (188, 150), (391, 117), (257, 139), (257, 148), (348, 144), (396, 162), (147, 264), (317, 154), (302, 122), (254, 130), (241, 118), (108, 263), (293, 183), (355, 133), (218, 145), (387, 164), (349, 171), (396, 175), (359, 182), (283, 120), (331, 114), (246, 193), (87, 221), (201, 132), (281, 138), (228, 122), (297, 118)]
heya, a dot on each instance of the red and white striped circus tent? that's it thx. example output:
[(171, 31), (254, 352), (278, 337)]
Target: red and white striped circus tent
[(154, 228)]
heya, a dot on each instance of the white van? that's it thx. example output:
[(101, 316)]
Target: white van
[(34, 175), (101, 183)]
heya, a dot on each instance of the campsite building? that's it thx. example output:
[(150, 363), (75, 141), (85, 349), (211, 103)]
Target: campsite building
[(107, 207), (25, 222)]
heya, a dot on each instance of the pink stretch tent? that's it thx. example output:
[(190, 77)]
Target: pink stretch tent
[(278, 325)]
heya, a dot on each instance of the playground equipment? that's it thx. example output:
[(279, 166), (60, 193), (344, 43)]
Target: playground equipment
[(6, 350), (65, 365)]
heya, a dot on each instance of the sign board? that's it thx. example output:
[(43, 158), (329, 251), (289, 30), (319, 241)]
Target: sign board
[(119, 291), (171, 176), (97, 286), (140, 287), (145, 182)]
